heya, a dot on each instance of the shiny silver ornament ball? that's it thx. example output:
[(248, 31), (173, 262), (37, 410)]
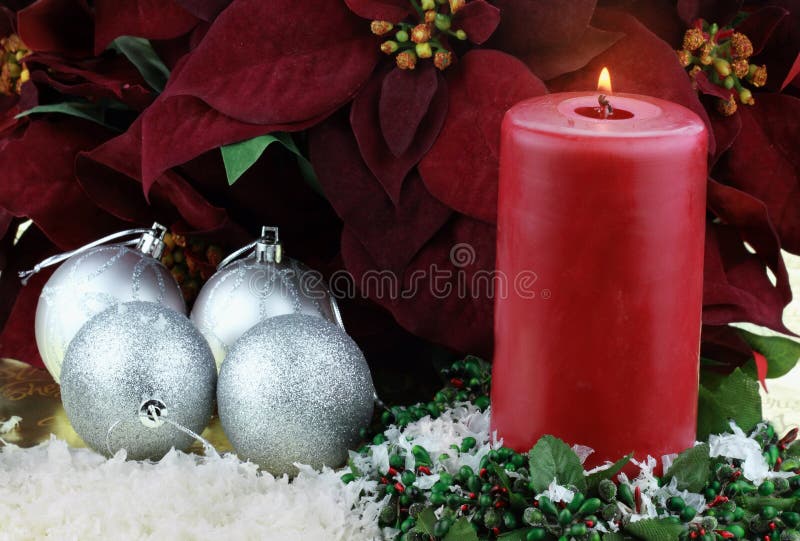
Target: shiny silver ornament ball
[(253, 289), (128, 360), (294, 388), (88, 283)]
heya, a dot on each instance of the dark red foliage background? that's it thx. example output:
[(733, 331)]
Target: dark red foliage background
[(407, 160)]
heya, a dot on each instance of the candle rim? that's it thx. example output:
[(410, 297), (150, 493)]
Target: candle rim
[(674, 119)]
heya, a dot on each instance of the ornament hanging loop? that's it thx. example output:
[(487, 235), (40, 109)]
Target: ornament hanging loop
[(151, 242), (153, 414), (266, 249)]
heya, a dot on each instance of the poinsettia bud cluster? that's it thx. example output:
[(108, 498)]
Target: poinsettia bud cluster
[(722, 55), (424, 38), (13, 71), (191, 261)]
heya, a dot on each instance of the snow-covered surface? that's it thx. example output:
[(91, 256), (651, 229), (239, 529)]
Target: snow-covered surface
[(56, 492)]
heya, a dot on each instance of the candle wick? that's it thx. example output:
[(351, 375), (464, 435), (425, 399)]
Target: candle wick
[(605, 105)]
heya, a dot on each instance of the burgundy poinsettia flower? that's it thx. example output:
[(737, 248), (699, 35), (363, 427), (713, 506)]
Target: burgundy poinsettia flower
[(399, 105)]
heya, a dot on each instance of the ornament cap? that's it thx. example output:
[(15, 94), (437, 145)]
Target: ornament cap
[(268, 248), (152, 241), (151, 412)]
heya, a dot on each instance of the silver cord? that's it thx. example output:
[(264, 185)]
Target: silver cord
[(235, 255), (58, 258), (153, 413)]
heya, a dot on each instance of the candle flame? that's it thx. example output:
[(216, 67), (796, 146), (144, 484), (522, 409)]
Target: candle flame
[(604, 82)]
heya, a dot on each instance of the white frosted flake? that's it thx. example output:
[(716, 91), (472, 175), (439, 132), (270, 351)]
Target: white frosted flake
[(557, 493), (582, 451), (738, 445), (10, 424), (54, 492)]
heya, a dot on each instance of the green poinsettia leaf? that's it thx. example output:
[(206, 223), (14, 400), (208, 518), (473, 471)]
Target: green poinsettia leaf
[(613, 536), (425, 521), (594, 479), (239, 157), (655, 529), (735, 399), (551, 459), (781, 353), (692, 468), (142, 55), (86, 111), (462, 530)]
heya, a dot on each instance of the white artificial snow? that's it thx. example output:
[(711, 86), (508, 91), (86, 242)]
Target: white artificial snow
[(651, 494), (667, 460), (10, 424), (557, 493), (738, 445), (582, 451), (54, 492)]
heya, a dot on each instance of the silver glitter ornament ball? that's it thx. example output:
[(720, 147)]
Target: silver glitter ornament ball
[(88, 283), (294, 388), (261, 286), (128, 359)]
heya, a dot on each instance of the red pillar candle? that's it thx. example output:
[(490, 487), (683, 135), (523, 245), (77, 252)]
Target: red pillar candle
[(600, 232)]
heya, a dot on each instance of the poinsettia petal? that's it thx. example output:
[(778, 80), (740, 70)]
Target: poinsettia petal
[(438, 298), (382, 10), (549, 63), (705, 86), (764, 161), (736, 286), (260, 64), (714, 11), (461, 167), (634, 73), (39, 181), (177, 129), (204, 9), (111, 176), (752, 220), (391, 235), (151, 19), (526, 25), (7, 21), (759, 25), (794, 73), (59, 26), (781, 51), (660, 17), (478, 19), (17, 340), (108, 76), (723, 344), (404, 100), (391, 170), (726, 130)]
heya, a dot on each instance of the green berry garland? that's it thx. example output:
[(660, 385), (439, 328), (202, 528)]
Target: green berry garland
[(501, 501)]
